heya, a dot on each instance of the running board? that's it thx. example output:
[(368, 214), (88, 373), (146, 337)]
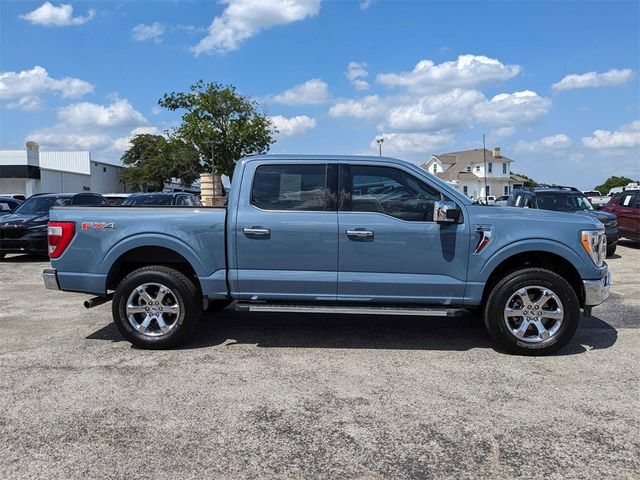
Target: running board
[(349, 310)]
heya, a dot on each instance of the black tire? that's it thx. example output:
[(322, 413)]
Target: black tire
[(187, 297), (502, 292), (217, 305), (611, 249)]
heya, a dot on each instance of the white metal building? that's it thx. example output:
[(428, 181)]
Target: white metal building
[(28, 171)]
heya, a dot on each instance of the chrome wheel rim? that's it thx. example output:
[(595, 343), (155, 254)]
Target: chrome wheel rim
[(153, 309), (534, 314)]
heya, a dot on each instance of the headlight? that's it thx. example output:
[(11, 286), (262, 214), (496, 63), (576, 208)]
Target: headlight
[(595, 244)]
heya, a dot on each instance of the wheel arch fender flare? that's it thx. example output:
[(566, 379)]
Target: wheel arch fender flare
[(533, 246), (149, 241)]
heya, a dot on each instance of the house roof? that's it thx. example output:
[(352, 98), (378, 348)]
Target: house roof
[(459, 161)]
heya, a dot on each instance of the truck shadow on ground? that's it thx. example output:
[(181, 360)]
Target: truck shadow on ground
[(24, 258), (229, 328)]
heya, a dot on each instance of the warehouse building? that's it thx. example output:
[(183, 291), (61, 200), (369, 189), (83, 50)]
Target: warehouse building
[(30, 170)]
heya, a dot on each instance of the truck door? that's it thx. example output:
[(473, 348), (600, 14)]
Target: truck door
[(286, 232), (390, 249)]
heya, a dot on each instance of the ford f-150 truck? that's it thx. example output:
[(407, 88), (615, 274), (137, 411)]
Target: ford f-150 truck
[(334, 234)]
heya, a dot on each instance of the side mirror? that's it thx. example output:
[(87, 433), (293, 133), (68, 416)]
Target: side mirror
[(446, 212)]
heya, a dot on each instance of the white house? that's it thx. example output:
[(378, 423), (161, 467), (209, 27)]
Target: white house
[(465, 171)]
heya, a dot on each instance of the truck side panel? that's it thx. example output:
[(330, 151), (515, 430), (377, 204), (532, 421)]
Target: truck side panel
[(103, 235)]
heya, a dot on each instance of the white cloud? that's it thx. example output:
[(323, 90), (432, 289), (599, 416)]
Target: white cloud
[(454, 110), (58, 137), (142, 32), (28, 103), (546, 144), (628, 136), (502, 132), (467, 71), (313, 91), (104, 129), (370, 107), (49, 15), (413, 145), (356, 70), (242, 19), (611, 78), (365, 4), (355, 74), (28, 85), (507, 109), (121, 144), (360, 84), (288, 127), (437, 112), (118, 114)]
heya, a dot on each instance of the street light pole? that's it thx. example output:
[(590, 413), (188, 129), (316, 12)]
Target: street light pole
[(484, 159), (379, 141)]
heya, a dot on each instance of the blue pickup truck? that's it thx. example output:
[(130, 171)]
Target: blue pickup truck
[(335, 235)]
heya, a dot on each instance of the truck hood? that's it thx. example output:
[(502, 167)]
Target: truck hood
[(604, 217), (546, 218), (27, 220)]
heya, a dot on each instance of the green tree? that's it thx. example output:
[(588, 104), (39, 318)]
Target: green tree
[(528, 181), (612, 182), (154, 159), (217, 120)]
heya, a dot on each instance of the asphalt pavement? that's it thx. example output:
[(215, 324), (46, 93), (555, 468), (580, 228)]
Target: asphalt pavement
[(306, 396)]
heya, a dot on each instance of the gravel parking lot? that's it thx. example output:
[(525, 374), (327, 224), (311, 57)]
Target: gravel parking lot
[(285, 396)]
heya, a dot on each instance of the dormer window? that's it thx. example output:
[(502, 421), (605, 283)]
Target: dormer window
[(435, 168), (477, 168), (468, 169), (504, 168)]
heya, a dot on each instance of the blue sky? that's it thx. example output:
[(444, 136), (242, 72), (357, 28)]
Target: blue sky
[(555, 84)]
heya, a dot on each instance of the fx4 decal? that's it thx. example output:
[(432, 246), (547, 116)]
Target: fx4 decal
[(98, 226)]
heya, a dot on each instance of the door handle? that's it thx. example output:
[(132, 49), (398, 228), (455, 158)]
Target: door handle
[(362, 235), (257, 232)]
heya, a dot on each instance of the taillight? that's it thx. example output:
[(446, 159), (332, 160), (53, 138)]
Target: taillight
[(59, 236)]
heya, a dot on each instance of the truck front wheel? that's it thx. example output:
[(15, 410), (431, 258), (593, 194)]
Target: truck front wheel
[(532, 312), (156, 307)]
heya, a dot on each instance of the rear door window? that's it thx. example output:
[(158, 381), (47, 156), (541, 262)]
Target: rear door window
[(289, 187)]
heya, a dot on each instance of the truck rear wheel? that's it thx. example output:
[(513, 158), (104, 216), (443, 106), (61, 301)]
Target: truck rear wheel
[(532, 312), (156, 307)]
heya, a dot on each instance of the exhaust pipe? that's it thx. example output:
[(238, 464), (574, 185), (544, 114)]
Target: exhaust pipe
[(95, 301)]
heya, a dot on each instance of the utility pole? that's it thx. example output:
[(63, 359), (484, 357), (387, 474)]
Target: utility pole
[(484, 159), (379, 141)]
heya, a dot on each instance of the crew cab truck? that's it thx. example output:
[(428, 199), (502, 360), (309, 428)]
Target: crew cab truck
[(334, 234)]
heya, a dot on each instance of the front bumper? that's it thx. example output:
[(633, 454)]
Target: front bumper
[(50, 277), (597, 291), (34, 243)]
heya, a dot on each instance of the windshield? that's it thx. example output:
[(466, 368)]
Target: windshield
[(41, 205), (148, 200), (563, 202)]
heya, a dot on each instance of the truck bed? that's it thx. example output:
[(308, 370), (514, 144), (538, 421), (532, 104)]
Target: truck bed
[(104, 234)]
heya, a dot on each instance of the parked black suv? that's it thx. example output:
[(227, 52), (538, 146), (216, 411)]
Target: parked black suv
[(162, 199), (8, 205), (566, 199), (25, 229)]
